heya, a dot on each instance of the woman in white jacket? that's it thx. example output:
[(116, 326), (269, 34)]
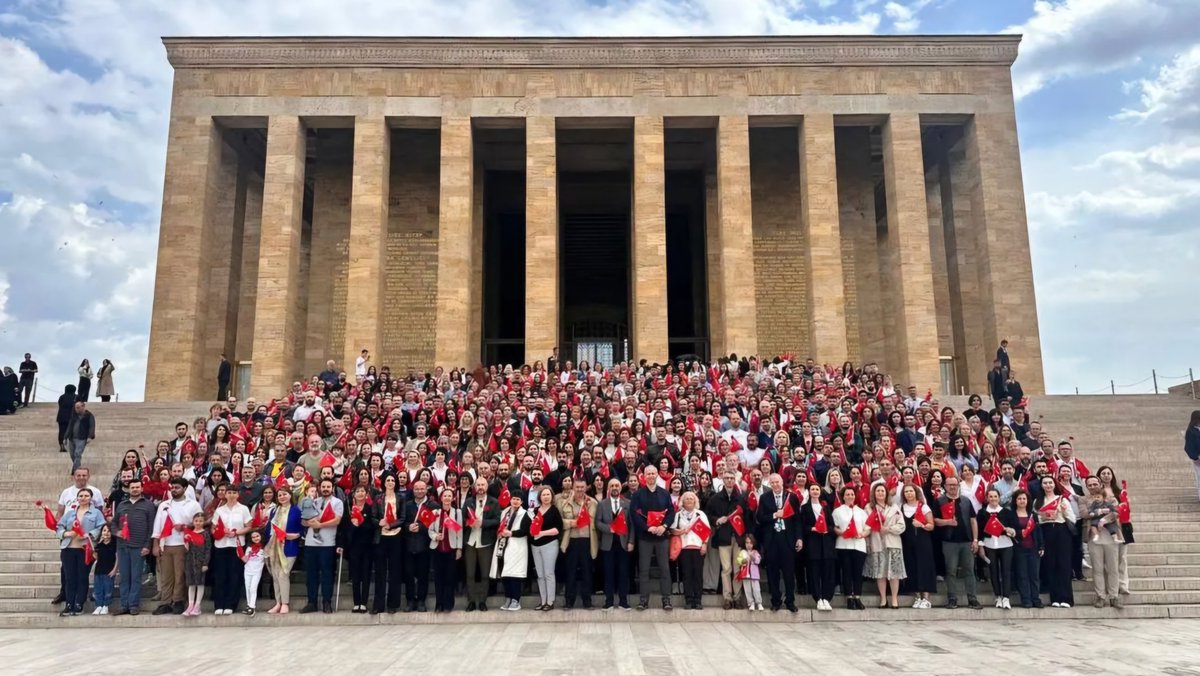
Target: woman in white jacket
[(850, 524), (695, 546), (885, 553)]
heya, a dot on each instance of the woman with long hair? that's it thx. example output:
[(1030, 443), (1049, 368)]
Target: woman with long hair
[(357, 538), (85, 381), (997, 530), (885, 554), (917, 543), (1191, 444), (283, 545), (816, 528), (545, 526), (1056, 517), (389, 548), (1029, 550)]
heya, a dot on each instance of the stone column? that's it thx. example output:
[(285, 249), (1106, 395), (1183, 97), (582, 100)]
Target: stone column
[(649, 236), (174, 369), (369, 190), (1002, 245), (456, 251), (972, 357), (819, 217), (278, 325), (937, 257), (736, 235), (712, 251), (913, 317), (856, 201), (541, 238)]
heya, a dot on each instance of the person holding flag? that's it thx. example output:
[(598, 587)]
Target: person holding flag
[(780, 529), (579, 543), (652, 509), (418, 515), (134, 517), (724, 508), (955, 516), (1029, 550), (356, 537), (997, 526), (77, 531), (616, 546), (850, 525), (816, 531), (388, 511), (885, 556), (320, 547), (1056, 517), (691, 526), (445, 542), (174, 515), (917, 544), (545, 526), (482, 513), (231, 520), (283, 547)]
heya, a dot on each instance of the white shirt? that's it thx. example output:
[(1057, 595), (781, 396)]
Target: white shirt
[(237, 516), (476, 537), (990, 541), (360, 366), (181, 512), (67, 501)]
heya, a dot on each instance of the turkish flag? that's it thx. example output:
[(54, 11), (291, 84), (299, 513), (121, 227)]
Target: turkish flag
[(327, 460), (981, 492), (821, 527), (89, 554), (451, 524), (701, 529), (1123, 512), (788, 511), (328, 514), (194, 537), (948, 510), (655, 518), (994, 527), (426, 516), (752, 500), (535, 527), (281, 481), (919, 515), (124, 534), (389, 514), (526, 482), (473, 520), (48, 519), (738, 522), (1028, 530), (356, 514), (851, 529), (218, 531), (584, 519), (1050, 507), (505, 497), (619, 525), (167, 530), (874, 521)]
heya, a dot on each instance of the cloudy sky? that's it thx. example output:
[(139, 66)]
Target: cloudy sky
[(1109, 114)]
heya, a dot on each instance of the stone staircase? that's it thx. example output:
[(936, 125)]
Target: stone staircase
[(1140, 436)]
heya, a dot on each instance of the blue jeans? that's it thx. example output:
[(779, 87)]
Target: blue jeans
[(130, 563), (318, 572), (102, 589), (1028, 575), (77, 446)]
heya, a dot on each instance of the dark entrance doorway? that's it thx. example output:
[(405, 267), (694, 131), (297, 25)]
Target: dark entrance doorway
[(501, 162)]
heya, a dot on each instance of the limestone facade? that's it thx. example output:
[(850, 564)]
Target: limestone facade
[(338, 185)]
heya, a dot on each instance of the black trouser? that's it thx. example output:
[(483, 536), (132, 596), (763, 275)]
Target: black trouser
[(222, 390), (444, 579), (691, 568), (616, 573), (25, 389), (820, 578), (62, 434), (105, 397), (75, 570), (418, 576), (1000, 569), (227, 578), (579, 571), (1056, 564), (852, 562), (389, 573), (659, 550), (360, 560), (1077, 550), (779, 562)]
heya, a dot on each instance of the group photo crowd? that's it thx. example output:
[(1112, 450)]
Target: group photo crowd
[(750, 481)]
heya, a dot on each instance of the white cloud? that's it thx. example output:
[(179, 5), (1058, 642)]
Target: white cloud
[(1173, 96), (904, 16), (1077, 37), (1101, 286)]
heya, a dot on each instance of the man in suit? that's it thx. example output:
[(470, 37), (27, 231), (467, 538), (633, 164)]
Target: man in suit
[(781, 541), (1002, 357), (997, 383), (483, 511), (417, 545), (652, 541), (719, 508), (615, 549)]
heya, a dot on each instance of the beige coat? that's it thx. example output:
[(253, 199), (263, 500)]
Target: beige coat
[(104, 381), (568, 510), (889, 538)]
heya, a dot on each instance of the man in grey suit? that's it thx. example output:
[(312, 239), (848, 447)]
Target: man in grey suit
[(614, 548)]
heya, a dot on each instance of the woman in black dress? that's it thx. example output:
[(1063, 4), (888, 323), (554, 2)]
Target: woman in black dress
[(818, 546), (917, 539)]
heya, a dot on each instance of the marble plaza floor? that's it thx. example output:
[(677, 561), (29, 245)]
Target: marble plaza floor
[(935, 647)]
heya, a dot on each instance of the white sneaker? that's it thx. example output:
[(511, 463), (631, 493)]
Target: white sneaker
[(96, 611), (750, 607), (1065, 605), (1007, 605), (926, 604), (515, 606), (1056, 605), (828, 606), (759, 607), (999, 602)]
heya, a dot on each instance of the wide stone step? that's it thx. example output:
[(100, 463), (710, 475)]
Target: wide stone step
[(30, 567), (1136, 557), (36, 554)]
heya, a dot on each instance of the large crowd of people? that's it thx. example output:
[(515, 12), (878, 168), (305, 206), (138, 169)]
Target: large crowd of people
[(596, 486)]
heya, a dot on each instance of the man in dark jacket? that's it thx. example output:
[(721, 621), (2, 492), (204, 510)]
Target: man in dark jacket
[(28, 369), (416, 536), (652, 541), (996, 384), (80, 431), (781, 541), (720, 507), (224, 373)]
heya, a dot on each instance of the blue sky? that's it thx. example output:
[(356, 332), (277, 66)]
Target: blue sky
[(1108, 108)]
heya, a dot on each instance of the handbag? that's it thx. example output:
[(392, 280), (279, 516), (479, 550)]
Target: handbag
[(675, 546)]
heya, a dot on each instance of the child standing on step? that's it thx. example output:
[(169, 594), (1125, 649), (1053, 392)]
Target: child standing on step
[(255, 558), (748, 560), (105, 571), (197, 545)]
